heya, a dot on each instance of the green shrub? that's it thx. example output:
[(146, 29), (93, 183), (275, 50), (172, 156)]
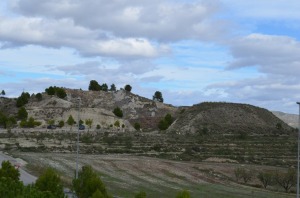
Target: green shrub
[(118, 112)]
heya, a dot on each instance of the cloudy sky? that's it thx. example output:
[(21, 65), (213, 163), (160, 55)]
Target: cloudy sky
[(191, 51)]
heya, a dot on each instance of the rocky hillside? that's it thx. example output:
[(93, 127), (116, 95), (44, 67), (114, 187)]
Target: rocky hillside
[(95, 105), (228, 118)]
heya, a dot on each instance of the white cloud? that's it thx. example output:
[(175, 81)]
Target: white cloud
[(64, 33), (155, 20), (270, 54)]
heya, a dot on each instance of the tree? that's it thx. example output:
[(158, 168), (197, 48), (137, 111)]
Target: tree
[(23, 99), (50, 91), (118, 112), (94, 86), (9, 171), (158, 96), (61, 93), (3, 93), (70, 121), (39, 96), (50, 181), (89, 122), (265, 178), (88, 183), (22, 114), (11, 187), (128, 88), (113, 87), (286, 180), (104, 87), (183, 194)]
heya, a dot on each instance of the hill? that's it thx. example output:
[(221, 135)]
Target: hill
[(228, 119), (290, 119)]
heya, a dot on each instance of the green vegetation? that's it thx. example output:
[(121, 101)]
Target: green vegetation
[(89, 122), (71, 121), (58, 91), (137, 126), (89, 184), (158, 96), (94, 86), (50, 181), (128, 88), (7, 122), (61, 123), (117, 124), (30, 123), (22, 114), (2, 93), (113, 87), (141, 195), (183, 194), (118, 112), (165, 122), (47, 186), (39, 96), (23, 99)]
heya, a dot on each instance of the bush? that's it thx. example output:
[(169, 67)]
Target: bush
[(118, 112), (137, 126), (117, 123), (128, 88), (165, 122)]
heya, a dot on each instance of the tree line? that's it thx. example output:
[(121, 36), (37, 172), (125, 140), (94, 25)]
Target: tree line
[(286, 180)]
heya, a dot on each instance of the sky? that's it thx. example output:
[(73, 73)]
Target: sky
[(192, 51)]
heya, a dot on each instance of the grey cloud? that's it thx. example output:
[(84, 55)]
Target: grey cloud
[(271, 91), (270, 54), (156, 20)]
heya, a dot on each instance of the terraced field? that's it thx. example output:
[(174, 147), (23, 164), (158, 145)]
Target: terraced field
[(158, 163), (125, 175)]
